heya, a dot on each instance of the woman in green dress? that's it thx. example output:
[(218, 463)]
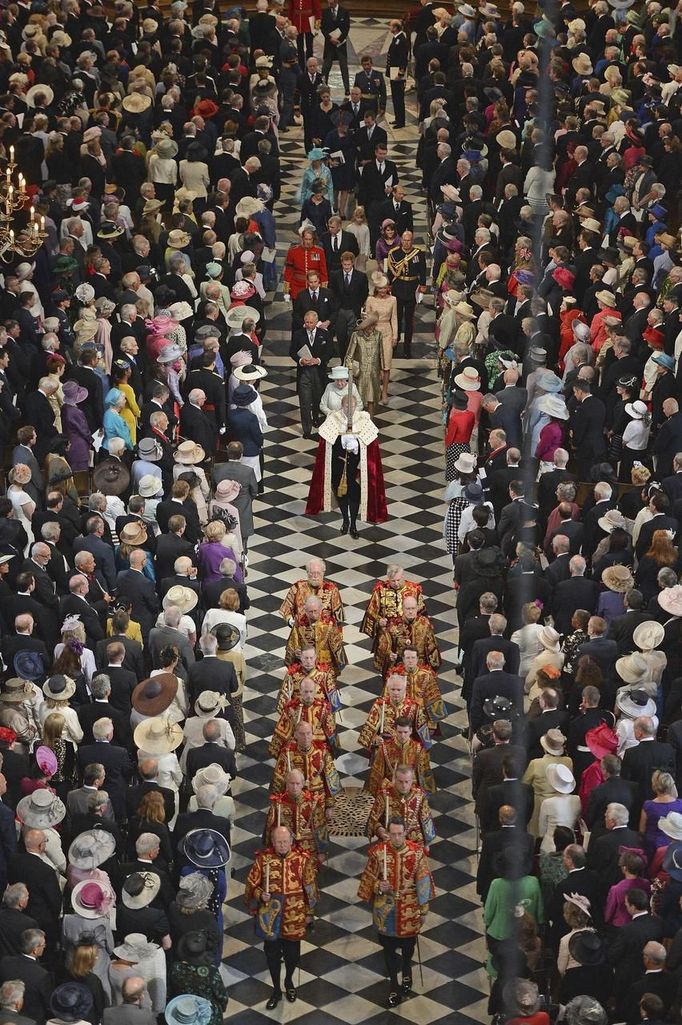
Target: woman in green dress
[(194, 972), (367, 350)]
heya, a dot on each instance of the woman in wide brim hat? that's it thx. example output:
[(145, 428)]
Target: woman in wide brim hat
[(140, 889), (206, 848), (189, 453), (157, 735), (154, 695), (92, 848), (72, 1002), (92, 899), (41, 810), (183, 598), (618, 579)]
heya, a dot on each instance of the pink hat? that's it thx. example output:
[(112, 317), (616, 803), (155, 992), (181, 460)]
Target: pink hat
[(226, 490), (46, 760), (240, 358), (242, 290)]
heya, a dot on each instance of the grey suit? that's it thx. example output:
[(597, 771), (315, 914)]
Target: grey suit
[(78, 802), (234, 470), (161, 636)]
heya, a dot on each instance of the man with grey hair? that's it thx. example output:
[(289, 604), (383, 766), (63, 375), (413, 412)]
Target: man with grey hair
[(578, 592), (315, 586), (78, 801), (147, 850), (496, 682), (11, 1003), (13, 918), (25, 969), (212, 751), (37, 564), (116, 762), (131, 1012), (603, 852), (647, 756)]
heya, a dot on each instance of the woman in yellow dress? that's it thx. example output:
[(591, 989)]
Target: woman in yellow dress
[(367, 350), (120, 376), (384, 305)]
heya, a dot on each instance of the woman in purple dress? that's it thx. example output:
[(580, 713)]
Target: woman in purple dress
[(75, 426), (212, 551)]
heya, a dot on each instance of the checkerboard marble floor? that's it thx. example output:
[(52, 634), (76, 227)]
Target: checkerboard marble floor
[(341, 973)]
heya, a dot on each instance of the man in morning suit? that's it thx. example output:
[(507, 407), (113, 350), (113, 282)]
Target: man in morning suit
[(311, 372), (335, 26), (350, 288)]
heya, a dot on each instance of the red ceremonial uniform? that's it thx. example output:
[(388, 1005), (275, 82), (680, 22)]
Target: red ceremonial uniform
[(301, 11), (300, 261)]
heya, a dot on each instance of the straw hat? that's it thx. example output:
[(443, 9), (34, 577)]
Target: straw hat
[(133, 534), (154, 695), (648, 636), (582, 65), (606, 299), (36, 90), (149, 486), (553, 742), (157, 736), (506, 139), (252, 372), (671, 825), (465, 310), (560, 778), (209, 704), (637, 410), (189, 453), (549, 638), (59, 687), (182, 597), (178, 239), (91, 899), (612, 520), (166, 148), (469, 379), (41, 810), (236, 315), (618, 578), (17, 691)]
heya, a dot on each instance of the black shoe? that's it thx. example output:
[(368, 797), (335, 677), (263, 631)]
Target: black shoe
[(406, 985), (344, 528), (273, 1001), (394, 999), (307, 435), (291, 993), (394, 124), (354, 533)]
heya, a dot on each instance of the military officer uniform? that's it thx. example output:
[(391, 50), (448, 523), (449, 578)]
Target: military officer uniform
[(407, 273)]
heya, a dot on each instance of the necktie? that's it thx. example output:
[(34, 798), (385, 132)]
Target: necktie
[(356, 107), (348, 280), (335, 243), (311, 338), (381, 167), (315, 296)]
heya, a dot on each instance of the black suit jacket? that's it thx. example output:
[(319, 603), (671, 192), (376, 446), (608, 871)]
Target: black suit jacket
[(482, 648), (170, 547), (207, 754), (211, 673), (347, 244), (197, 426), (329, 23), (510, 791), (604, 851), (491, 685), (12, 924), (324, 305), (641, 761), (367, 145), (486, 770), (199, 819), (557, 719), (44, 894), (612, 791), (623, 627), (123, 683), (170, 507), (569, 595), (402, 216), (45, 592), (39, 984), (141, 592), (73, 604), (39, 413), (372, 187), (494, 844), (133, 659), (625, 953), (90, 713), (352, 296), (321, 349), (93, 405), (118, 768), (211, 592)]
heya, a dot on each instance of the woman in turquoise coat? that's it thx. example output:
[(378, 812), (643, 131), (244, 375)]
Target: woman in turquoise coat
[(114, 424)]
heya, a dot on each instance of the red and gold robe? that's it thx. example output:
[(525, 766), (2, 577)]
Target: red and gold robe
[(325, 685), (382, 717), (290, 881), (401, 912), (305, 819), (325, 636), (317, 766), (413, 808), (293, 605), (398, 635), (389, 755), (320, 717), (422, 685), (387, 603)]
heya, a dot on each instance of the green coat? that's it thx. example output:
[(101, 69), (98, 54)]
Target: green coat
[(502, 898)]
